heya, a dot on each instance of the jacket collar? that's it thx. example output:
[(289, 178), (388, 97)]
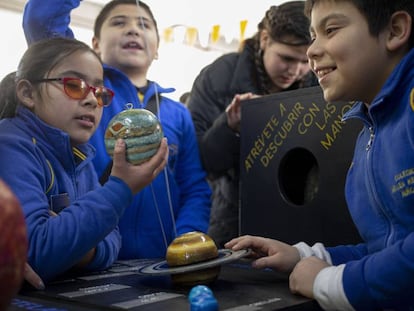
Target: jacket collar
[(401, 72)]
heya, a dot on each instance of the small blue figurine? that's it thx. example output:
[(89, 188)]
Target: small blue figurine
[(201, 298)]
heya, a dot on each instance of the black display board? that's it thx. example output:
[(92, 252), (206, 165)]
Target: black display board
[(295, 153)]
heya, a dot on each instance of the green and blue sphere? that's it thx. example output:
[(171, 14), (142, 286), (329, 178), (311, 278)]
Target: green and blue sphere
[(140, 129)]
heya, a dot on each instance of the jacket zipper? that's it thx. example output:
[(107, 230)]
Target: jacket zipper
[(373, 190), (371, 138)]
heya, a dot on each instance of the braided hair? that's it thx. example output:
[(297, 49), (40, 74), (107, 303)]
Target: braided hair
[(285, 20)]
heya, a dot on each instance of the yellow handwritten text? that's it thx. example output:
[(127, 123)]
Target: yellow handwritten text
[(272, 136), (404, 183)]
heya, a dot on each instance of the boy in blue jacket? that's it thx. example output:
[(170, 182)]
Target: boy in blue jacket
[(362, 50), (126, 38), (57, 98)]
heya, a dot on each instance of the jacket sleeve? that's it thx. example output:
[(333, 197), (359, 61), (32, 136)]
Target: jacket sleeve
[(344, 253), (56, 243), (382, 280), (362, 281), (45, 19), (219, 145)]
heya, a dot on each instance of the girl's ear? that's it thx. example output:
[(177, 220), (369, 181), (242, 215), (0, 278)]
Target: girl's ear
[(264, 38), (400, 28), (25, 93)]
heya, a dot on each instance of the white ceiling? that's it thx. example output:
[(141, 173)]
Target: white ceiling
[(195, 13), (178, 64)]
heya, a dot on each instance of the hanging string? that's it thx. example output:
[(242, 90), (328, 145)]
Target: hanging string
[(129, 106), (159, 216), (157, 100)]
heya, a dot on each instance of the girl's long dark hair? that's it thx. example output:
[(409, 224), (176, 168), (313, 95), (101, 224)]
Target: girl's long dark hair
[(38, 60)]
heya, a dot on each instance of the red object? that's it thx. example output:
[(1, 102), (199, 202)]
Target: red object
[(13, 245)]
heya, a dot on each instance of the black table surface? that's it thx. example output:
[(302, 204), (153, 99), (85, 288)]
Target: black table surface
[(123, 287)]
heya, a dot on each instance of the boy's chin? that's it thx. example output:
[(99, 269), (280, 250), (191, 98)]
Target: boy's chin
[(330, 95)]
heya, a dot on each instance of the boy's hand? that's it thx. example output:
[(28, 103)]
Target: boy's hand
[(304, 274), (270, 253)]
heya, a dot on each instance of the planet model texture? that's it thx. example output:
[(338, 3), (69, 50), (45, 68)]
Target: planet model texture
[(140, 129), (190, 248)]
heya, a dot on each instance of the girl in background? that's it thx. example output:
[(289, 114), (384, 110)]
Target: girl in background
[(273, 60)]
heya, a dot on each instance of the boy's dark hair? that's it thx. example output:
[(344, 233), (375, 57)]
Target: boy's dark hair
[(106, 10), (38, 60), (377, 12)]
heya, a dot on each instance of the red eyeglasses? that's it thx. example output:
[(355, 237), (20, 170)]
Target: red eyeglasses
[(77, 88)]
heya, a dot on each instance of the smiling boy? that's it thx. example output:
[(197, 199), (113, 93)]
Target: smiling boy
[(362, 50)]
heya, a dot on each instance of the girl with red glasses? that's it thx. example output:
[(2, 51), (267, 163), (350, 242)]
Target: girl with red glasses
[(54, 103)]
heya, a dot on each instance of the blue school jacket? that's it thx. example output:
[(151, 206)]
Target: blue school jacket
[(39, 164), (379, 273)]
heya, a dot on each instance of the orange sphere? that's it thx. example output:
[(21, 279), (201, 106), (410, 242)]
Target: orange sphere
[(13, 245)]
